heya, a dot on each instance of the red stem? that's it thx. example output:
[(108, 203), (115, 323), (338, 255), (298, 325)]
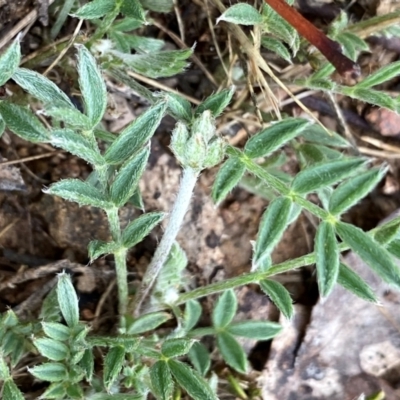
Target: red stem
[(328, 47)]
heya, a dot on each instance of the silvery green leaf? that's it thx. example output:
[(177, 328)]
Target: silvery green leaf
[(11, 391), (176, 347), (105, 136), (133, 9), (126, 25), (274, 137), (375, 255), (4, 370), (259, 330), (279, 296), (23, 123), (215, 152), (113, 364), (382, 75), (276, 25), (95, 9), (140, 228), (161, 381), (179, 107), (52, 349), (127, 178), (192, 314), (370, 96), (351, 191), (74, 391), (317, 134), (56, 331), (147, 322), (67, 300), (179, 139), (125, 42), (225, 309), (272, 227), (160, 64), (241, 14), (394, 248), (160, 6), (121, 76), (72, 117), (56, 390), (324, 174), (227, 178), (92, 85), (50, 372), (42, 88), (193, 383), (87, 363), (9, 61), (135, 135), (327, 258), (355, 284), (352, 44), (387, 233), (77, 145), (232, 352), (200, 358), (216, 103), (323, 72), (9, 319), (339, 24), (50, 310), (170, 279), (97, 248), (80, 192), (308, 154), (329, 153), (277, 47)]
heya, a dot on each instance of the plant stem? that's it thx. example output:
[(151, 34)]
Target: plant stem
[(120, 261), (122, 280), (113, 220), (328, 47), (188, 181), (255, 277)]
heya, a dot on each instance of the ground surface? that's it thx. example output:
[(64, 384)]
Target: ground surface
[(41, 235)]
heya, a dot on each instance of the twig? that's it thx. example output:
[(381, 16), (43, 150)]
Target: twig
[(328, 47), (20, 25)]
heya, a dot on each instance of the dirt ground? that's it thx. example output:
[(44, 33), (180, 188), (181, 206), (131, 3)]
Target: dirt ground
[(320, 355)]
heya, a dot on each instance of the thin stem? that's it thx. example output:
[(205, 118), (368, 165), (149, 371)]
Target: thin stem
[(122, 280), (120, 261), (277, 184), (113, 220), (188, 181), (254, 277), (328, 47)]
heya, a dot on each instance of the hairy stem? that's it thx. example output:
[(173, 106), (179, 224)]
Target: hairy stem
[(122, 280), (255, 277), (178, 212), (120, 261)]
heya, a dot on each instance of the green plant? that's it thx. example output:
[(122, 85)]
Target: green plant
[(142, 359)]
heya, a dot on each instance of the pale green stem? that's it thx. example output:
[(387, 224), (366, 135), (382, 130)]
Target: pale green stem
[(120, 261), (188, 181), (113, 220), (122, 280)]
